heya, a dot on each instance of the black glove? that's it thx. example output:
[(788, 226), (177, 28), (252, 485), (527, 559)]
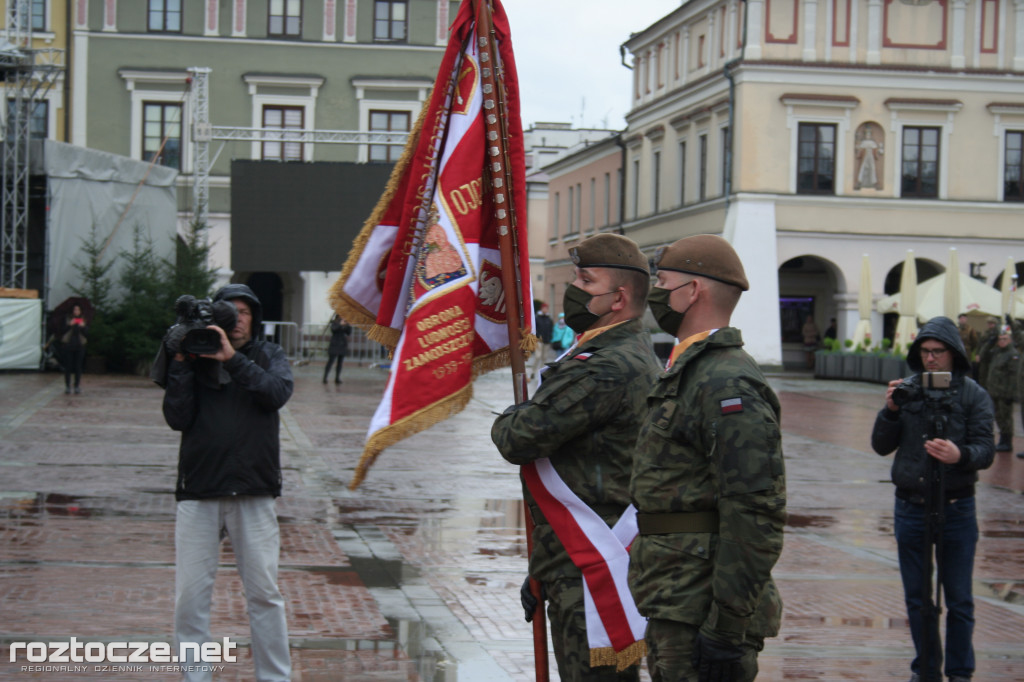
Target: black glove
[(1009, 321), (528, 600), (172, 340), (716, 661)]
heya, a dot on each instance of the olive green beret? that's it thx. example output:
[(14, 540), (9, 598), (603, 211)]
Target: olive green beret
[(707, 255), (609, 250)]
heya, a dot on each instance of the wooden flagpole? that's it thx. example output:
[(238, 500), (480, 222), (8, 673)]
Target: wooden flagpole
[(497, 163)]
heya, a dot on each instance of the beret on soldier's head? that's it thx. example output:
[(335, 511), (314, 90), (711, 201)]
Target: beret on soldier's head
[(609, 250), (707, 255)]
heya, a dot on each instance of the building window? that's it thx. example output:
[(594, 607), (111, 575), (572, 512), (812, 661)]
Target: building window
[(920, 176), (38, 15), (607, 198), (636, 188), (726, 148), (389, 21), (388, 122), (39, 119), (161, 133), (816, 155), (284, 18), (572, 195), (593, 203), (1013, 166), (164, 16), (656, 182), (682, 173), (703, 193), (286, 119), (558, 208), (579, 205)]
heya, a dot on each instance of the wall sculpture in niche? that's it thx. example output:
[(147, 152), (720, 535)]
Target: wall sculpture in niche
[(869, 146)]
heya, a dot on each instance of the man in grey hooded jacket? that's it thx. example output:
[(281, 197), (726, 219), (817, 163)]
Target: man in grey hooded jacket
[(958, 443)]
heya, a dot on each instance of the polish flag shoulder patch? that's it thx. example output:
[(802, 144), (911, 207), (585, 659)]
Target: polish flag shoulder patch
[(730, 405), (582, 356)]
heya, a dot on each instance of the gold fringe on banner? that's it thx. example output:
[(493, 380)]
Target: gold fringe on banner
[(341, 302), (411, 425), (527, 341), (631, 655)]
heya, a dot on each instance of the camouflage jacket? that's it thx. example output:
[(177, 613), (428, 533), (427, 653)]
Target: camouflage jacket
[(1003, 365), (584, 417), (711, 442)]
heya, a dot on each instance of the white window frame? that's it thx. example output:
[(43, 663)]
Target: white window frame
[(999, 130), (910, 114), (306, 91), (136, 82), (420, 87), (841, 119), (54, 99), (47, 32)]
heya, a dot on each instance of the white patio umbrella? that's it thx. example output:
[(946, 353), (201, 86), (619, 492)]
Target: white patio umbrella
[(1008, 287), (862, 334), (976, 298), (906, 327), (951, 288)]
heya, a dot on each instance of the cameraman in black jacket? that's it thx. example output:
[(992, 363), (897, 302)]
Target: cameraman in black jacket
[(964, 412), (229, 473)]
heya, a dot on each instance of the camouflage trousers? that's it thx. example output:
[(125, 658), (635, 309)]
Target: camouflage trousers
[(568, 624), (670, 652), (1004, 415)]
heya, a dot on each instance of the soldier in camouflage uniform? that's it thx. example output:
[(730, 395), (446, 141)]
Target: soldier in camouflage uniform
[(708, 480), (1001, 385), (584, 417), (987, 346)]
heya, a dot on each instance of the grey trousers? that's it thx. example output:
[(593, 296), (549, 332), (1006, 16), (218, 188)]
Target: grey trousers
[(251, 523)]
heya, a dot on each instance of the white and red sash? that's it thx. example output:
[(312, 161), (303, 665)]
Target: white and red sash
[(615, 629)]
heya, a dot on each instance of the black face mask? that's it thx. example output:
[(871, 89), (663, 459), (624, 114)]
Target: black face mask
[(577, 314), (668, 319)]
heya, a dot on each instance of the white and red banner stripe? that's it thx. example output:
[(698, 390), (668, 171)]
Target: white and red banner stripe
[(602, 555)]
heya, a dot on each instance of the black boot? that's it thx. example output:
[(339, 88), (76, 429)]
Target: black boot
[(1005, 442)]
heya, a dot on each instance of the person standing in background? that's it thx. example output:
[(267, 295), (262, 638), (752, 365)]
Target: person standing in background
[(73, 336), (338, 348)]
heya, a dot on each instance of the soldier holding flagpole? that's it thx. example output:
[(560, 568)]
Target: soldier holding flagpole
[(575, 439)]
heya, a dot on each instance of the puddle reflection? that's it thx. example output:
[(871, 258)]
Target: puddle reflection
[(29, 505)]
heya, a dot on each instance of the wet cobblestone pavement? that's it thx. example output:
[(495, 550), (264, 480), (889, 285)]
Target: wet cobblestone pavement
[(415, 576)]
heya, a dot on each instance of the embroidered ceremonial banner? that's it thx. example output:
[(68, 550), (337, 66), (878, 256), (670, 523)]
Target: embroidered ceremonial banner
[(615, 629), (424, 274)]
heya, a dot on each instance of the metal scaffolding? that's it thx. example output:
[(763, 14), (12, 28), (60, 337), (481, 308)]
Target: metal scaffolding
[(28, 73), (203, 133)]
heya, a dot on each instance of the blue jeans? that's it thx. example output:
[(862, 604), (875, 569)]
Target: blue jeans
[(959, 538)]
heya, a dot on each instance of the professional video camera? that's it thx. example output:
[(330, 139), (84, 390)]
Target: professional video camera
[(925, 386), (190, 333)]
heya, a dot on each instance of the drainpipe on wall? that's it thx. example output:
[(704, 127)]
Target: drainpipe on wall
[(729, 72)]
